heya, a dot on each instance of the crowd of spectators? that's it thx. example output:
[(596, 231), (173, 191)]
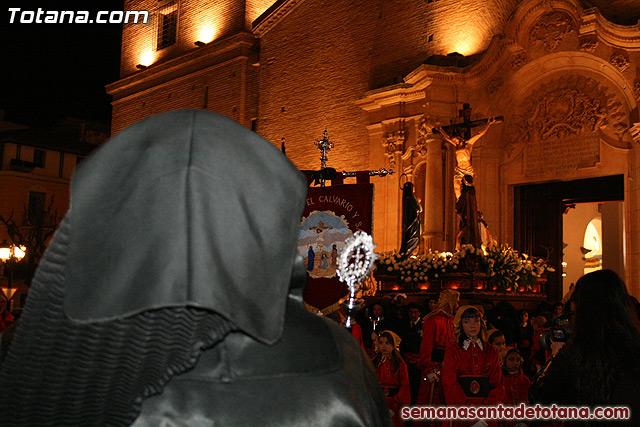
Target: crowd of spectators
[(433, 348)]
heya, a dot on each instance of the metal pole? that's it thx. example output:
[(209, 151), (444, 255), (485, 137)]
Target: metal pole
[(10, 261)]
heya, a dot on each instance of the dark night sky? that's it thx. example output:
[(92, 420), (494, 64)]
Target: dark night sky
[(49, 71)]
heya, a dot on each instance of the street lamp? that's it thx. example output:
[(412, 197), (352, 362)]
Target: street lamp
[(9, 255)]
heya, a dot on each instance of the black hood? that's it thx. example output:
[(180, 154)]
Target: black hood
[(187, 208)]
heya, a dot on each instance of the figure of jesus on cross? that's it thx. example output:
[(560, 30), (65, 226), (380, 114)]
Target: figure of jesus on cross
[(459, 135)]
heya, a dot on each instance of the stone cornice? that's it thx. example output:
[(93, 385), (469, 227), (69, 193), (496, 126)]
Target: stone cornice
[(507, 50), (273, 15), (396, 94), (501, 51), (528, 11), (626, 37), (237, 46)]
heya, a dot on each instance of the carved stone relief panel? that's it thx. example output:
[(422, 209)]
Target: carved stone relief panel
[(393, 143), (588, 44), (620, 61), (425, 132), (494, 85), (519, 60), (636, 89), (562, 122), (635, 132), (551, 29)]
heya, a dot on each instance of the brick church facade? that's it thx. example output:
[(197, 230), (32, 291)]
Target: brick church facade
[(379, 75)]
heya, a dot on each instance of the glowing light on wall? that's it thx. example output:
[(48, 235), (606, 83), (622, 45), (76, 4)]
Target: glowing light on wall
[(207, 34), (147, 58), (467, 41)]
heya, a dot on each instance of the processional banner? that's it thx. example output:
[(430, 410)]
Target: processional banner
[(331, 215)]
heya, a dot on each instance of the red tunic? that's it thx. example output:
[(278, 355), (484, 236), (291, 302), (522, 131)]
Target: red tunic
[(397, 384), (516, 388), (473, 361), (437, 332)]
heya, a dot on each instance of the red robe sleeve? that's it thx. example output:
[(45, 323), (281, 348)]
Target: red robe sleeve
[(403, 398), (496, 395)]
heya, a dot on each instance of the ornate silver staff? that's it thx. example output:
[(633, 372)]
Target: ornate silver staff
[(355, 265)]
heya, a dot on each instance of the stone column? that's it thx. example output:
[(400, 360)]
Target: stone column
[(433, 233)]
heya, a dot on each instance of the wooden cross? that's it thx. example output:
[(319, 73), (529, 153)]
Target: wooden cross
[(464, 129)]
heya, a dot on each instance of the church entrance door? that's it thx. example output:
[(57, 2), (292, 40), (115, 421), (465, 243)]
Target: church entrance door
[(538, 222)]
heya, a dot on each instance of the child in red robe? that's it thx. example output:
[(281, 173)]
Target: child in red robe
[(393, 375), (516, 383), (471, 373)]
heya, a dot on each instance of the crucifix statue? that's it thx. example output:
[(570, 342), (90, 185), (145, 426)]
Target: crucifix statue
[(459, 135), (323, 145)]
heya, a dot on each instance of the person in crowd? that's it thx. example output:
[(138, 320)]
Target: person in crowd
[(505, 318), (355, 329), (392, 374), (437, 333), (545, 309), (538, 355), (516, 383), (636, 306), (598, 366), (496, 339), (5, 313), (558, 309), (171, 294), (410, 346), (374, 323), (526, 330), (430, 304), (525, 342), (471, 373)]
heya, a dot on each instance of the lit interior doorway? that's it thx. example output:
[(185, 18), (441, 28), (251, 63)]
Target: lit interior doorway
[(593, 239), (541, 212)]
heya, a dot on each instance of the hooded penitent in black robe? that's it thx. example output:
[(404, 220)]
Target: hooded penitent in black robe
[(165, 297)]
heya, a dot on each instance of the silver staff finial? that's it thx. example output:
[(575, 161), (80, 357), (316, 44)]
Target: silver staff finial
[(355, 265)]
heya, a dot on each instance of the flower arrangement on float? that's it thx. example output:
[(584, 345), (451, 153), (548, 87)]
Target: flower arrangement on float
[(507, 269)]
